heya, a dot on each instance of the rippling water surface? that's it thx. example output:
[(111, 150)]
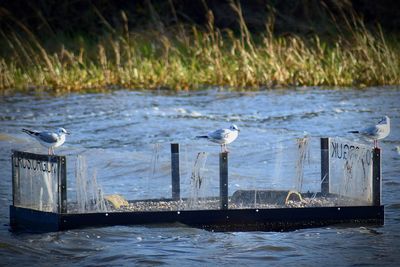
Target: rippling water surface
[(112, 125)]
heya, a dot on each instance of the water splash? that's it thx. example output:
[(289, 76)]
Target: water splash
[(197, 181), (303, 156), (154, 164), (89, 194), (279, 153)]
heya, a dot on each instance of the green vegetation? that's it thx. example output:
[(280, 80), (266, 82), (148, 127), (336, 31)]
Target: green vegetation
[(187, 57)]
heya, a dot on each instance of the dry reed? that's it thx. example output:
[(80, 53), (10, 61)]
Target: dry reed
[(186, 58)]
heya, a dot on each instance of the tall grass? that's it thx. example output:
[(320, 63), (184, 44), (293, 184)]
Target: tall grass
[(188, 57)]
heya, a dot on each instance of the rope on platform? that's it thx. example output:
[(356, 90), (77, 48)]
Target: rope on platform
[(292, 192)]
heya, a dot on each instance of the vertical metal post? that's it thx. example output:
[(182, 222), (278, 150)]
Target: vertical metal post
[(62, 184), (175, 175), (376, 176), (15, 178), (223, 180), (325, 166)]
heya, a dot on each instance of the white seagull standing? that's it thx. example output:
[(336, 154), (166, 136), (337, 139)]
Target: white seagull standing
[(223, 136), (376, 132), (49, 139)]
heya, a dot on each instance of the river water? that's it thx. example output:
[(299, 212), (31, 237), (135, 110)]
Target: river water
[(110, 128)]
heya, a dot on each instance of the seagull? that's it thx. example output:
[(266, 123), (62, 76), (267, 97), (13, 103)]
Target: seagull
[(49, 139), (223, 136), (376, 132)]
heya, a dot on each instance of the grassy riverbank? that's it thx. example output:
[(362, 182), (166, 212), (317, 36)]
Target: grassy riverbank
[(188, 57)]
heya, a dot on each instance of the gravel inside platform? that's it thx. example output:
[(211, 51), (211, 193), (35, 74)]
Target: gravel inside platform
[(214, 204)]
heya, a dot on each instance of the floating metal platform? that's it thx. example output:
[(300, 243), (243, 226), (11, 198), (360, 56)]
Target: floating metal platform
[(229, 213), (281, 219)]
